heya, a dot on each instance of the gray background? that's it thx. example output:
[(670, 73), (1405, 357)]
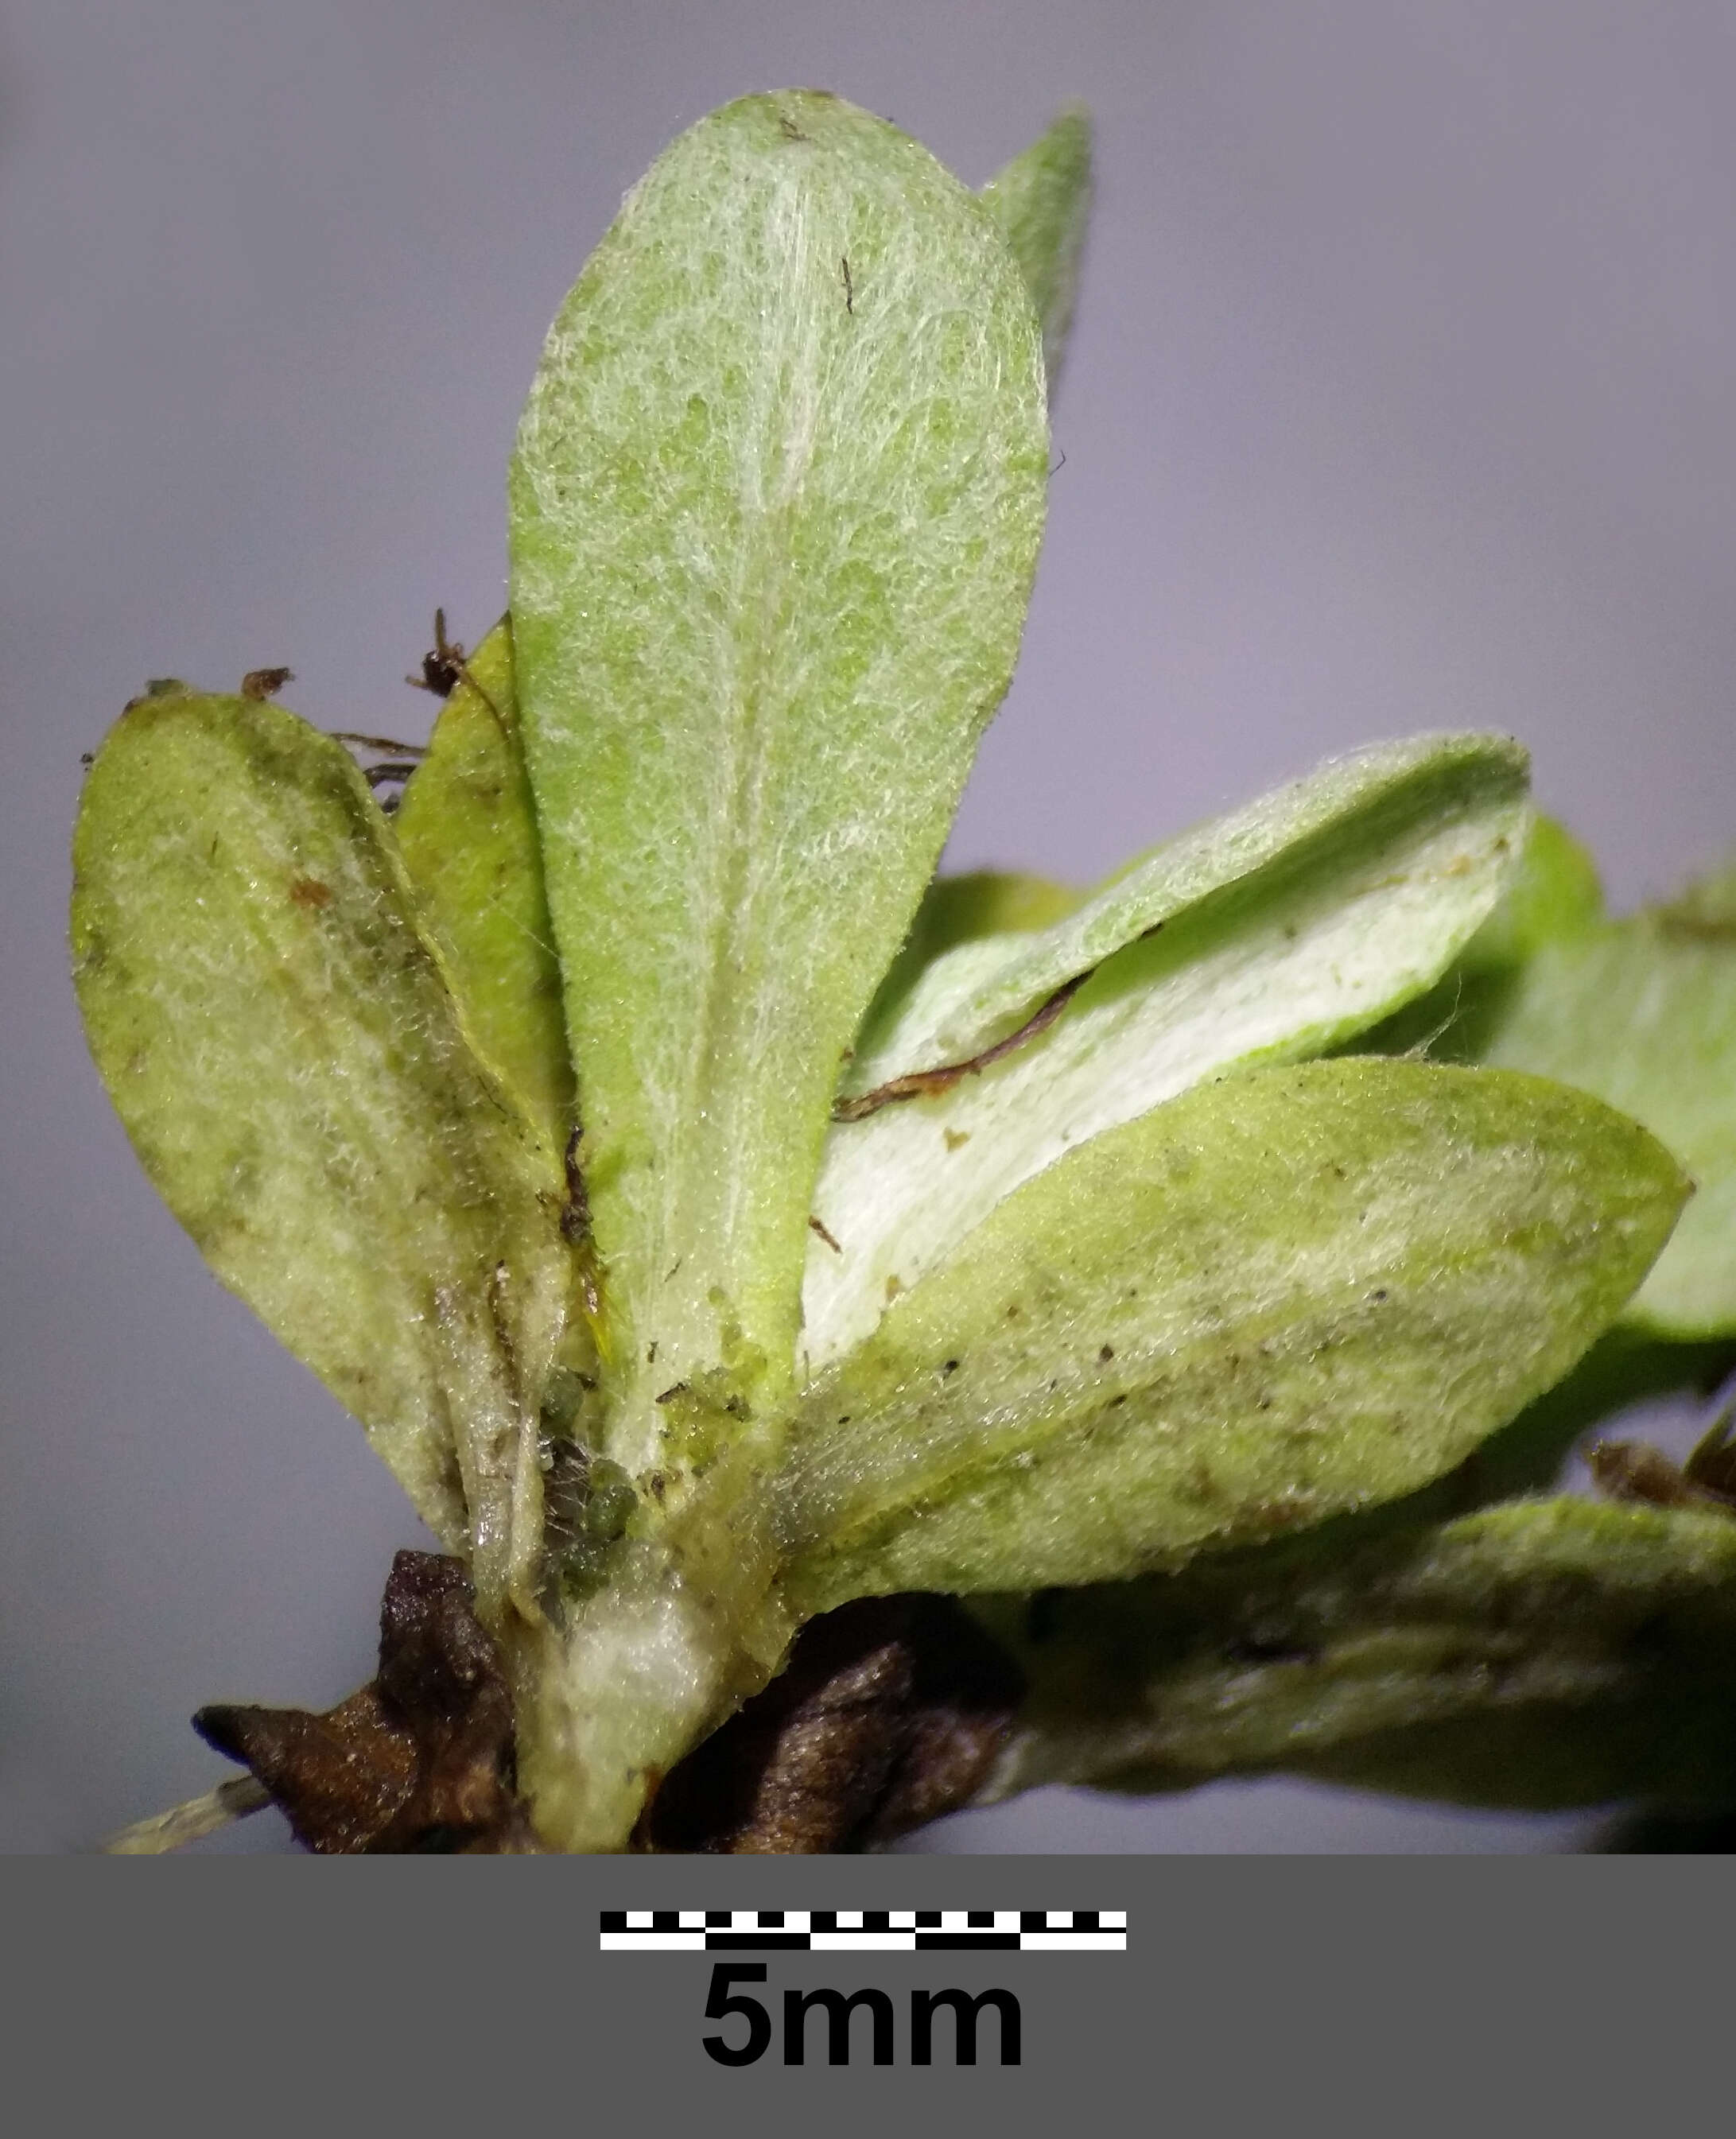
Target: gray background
[(1398, 398)]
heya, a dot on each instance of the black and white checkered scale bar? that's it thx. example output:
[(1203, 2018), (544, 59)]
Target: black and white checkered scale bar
[(864, 1931)]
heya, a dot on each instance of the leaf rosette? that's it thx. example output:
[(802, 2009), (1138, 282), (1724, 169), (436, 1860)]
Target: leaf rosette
[(715, 1217)]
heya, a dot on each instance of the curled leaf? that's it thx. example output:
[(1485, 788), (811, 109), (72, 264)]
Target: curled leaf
[(1276, 932)]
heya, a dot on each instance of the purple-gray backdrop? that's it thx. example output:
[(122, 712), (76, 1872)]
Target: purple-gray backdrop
[(1398, 398)]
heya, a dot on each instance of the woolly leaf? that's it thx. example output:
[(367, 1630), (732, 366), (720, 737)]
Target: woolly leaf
[(1042, 200), (1553, 897), (1279, 931), (1285, 1293), (955, 910), (775, 510), (1708, 906), (1543, 1653), (468, 831), (279, 1037), (1554, 894), (1642, 1012)]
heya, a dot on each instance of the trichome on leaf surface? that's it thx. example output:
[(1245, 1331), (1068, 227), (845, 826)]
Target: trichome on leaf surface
[(1170, 1302)]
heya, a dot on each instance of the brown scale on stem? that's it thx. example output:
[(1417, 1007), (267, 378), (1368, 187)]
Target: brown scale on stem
[(889, 1713), (1633, 1471), (420, 1759)]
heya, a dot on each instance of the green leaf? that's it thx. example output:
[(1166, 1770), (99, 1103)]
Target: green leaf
[(955, 910), (467, 827), (772, 534), (1546, 1652), (1286, 1294), (280, 1038), (1707, 905), (1554, 897), (1278, 931), (1642, 1012), (1042, 200)]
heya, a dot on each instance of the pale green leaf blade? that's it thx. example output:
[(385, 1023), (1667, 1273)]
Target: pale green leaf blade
[(279, 1037), (466, 828), (1545, 1653), (1042, 201), (1277, 932), (1642, 1012), (773, 528), (965, 908), (1287, 1294), (1555, 894), (1707, 905)]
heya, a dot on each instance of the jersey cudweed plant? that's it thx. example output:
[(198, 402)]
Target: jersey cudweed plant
[(715, 1220)]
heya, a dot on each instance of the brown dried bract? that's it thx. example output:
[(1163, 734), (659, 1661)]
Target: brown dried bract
[(265, 682), (420, 1758), (926, 1084), (1631, 1470), (889, 1712)]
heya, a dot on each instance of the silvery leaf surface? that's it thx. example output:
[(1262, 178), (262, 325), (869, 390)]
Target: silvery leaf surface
[(1287, 1294), (1042, 201), (776, 506), (277, 1032), (466, 828), (1545, 1653), (1278, 931)]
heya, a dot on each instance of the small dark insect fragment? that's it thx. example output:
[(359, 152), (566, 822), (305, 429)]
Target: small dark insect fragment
[(259, 683), (849, 286), (443, 666)]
